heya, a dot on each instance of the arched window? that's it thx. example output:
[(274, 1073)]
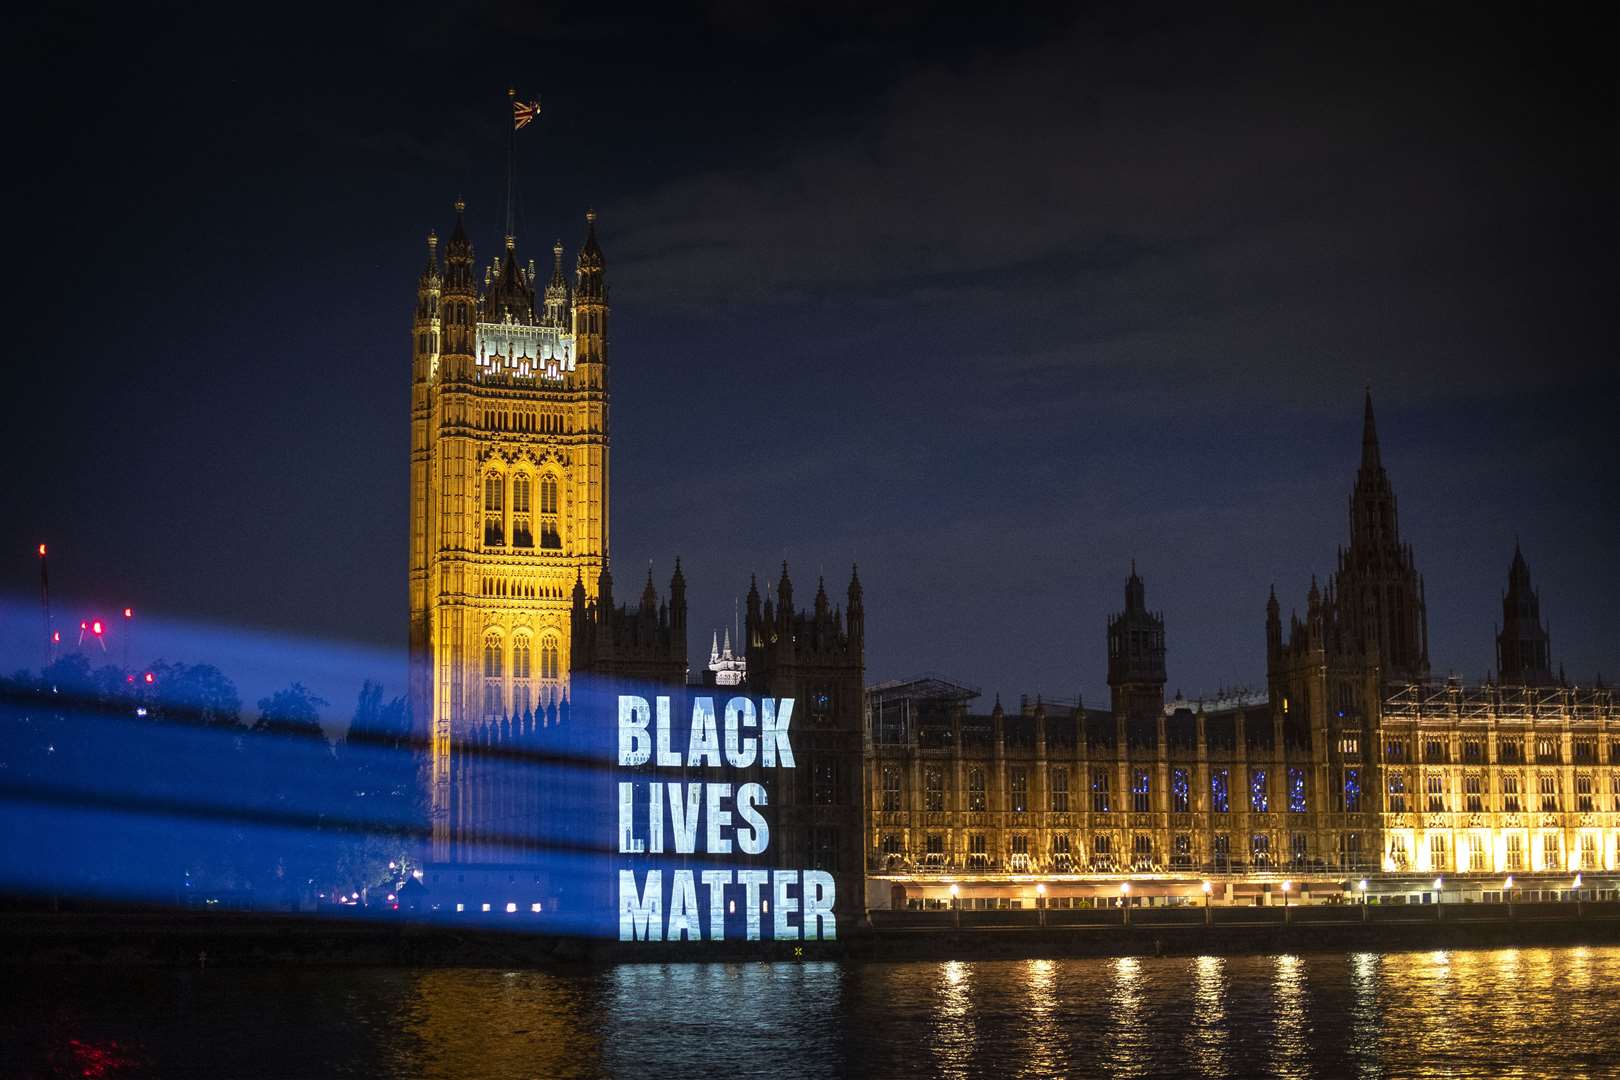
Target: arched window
[(521, 534), (548, 659), (520, 673), (492, 677), (549, 536), (494, 509)]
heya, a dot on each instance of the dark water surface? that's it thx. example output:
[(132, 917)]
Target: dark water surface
[(1510, 1012)]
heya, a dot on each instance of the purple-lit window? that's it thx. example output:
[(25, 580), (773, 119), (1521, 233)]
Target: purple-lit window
[(1219, 797), (1180, 791), (1259, 797), (1296, 791), (1352, 791), (1141, 792)]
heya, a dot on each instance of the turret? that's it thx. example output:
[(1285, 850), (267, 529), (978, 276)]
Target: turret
[(1523, 646), (591, 307), (1273, 626), (1136, 673), (459, 297), (556, 299)]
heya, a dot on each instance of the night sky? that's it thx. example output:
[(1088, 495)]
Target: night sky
[(990, 305)]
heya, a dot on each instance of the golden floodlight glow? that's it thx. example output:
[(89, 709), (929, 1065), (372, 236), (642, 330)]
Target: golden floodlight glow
[(1208, 888), (1125, 887), (1287, 885), (1040, 888), (956, 890), (1508, 884)]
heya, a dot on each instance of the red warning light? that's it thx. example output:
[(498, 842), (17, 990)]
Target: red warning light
[(56, 637), (129, 678), (42, 551), (83, 625), (150, 678), (129, 613), (96, 628)]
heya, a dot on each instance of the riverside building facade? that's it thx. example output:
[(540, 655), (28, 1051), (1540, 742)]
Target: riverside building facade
[(1351, 773)]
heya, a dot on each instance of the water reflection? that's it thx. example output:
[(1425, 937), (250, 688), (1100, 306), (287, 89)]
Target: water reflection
[(1128, 1052), (1043, 1051), (1458, 1013), (1207, 1036), (1289, 1047), (1366, 1016), (953, 1029)]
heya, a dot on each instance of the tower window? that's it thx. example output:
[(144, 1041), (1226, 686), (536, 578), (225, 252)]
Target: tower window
[(1060, 790), (548, 659), (521, 534), (494, 509), (976, 795), (492, 677), (520, 674), (549, 536)]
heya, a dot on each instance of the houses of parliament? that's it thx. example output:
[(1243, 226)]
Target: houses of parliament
[(1351, 762)]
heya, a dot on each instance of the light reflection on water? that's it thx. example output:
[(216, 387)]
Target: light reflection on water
[(1496, 1013)]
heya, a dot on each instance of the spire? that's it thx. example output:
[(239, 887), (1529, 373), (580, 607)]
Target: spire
[(460, 247), (1369, 436), (430, 273), (590, 252)]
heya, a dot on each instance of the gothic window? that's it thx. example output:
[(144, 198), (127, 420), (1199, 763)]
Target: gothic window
[(1515, 852), (1099, 791), (1141, 792), (935, 845), (1020, 844), (492, 677), (1583, 794), (1437, 794), (1547, 751), (1181, 852), (1142, 852), (976, 798), (1614, 789), (494, 509), (1510, 751), (549, 536), (1062, 854), (1221, 852), (1510, 794), (548, 659), (1260, 850), (934, 790), (1434, 751), (1259, 794), (1437, 852), (1549, 793), (1473, 751), (1478, 856), (520, 673), (1589, 851), (1299, 848), (1397, 793), (1473, 798), (1552, 851), (891, 789), (824, 790), (1585, 752), (1220, 798), (1395, 750), (1060, 790), (1296, 791), (825, 856), (522, 536), (1180, 791), (1018, 789), (1102, 852), (1352, 791)]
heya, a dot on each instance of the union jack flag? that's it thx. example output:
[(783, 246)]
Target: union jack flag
[(523, 113)]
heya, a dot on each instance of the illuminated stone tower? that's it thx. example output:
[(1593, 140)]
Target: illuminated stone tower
[(509, 488)]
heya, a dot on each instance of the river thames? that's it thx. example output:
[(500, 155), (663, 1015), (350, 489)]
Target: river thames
[(1508, 1012)]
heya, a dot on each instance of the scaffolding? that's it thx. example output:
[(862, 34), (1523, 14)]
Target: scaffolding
[(894, 708)]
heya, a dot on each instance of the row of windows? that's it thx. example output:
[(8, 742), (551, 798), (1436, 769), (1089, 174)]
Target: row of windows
[(1141, 793), (494, 669), (1143, 855), (522, 533), (1475, 787), (1509, 750), (547, 422), (528, 590), (1474, 853)]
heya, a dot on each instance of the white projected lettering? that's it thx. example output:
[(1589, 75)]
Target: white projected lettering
[(718, 817)]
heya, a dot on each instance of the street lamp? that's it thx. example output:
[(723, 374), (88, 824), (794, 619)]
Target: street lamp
[(1439, 899), (1125, 900), (956, 905), (1286, 886), (1362, 887), (1208, 915), (1040, 901)]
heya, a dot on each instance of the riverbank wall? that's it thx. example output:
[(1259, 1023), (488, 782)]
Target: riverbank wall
[(186, 939)]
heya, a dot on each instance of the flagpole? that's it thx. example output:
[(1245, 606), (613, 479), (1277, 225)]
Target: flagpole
[(511, 154)]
